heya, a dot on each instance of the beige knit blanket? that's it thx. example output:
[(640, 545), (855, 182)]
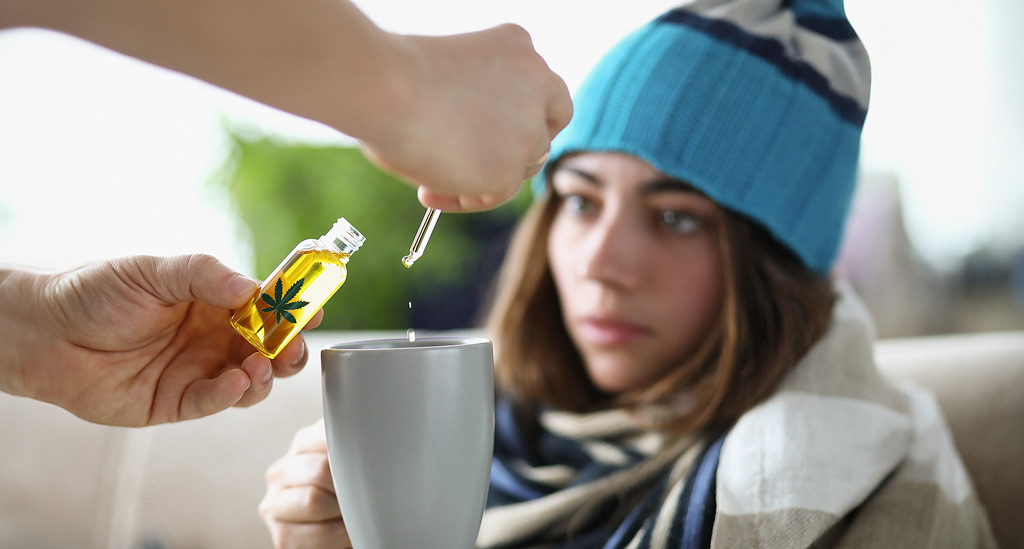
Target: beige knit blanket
[(840, 457)]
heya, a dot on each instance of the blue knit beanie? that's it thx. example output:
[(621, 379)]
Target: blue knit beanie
[(759, 104)]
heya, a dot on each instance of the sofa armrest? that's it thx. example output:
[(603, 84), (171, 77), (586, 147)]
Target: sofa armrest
[(978, 380)]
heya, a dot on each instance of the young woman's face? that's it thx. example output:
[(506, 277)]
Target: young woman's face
[(637, 265)]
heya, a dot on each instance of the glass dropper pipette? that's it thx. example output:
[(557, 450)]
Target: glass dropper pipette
[(419, 242)]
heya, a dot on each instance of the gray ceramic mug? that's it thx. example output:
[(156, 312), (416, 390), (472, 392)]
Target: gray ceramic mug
[(410, 435)]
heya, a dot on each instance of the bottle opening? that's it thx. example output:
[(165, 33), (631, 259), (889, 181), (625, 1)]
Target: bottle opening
[(345, 236)]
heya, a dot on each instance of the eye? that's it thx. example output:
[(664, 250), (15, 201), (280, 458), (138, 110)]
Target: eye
[(679, 222), (577, 204)]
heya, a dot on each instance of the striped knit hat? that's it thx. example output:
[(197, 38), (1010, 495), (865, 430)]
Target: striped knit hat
[(759, 104)]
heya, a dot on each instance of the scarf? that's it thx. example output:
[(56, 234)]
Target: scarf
[(597, 481)]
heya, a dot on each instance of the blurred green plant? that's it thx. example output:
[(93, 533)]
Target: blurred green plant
[(287, 193)]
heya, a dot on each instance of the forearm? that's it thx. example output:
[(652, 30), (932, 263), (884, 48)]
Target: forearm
[(320, 59), (21, 329)]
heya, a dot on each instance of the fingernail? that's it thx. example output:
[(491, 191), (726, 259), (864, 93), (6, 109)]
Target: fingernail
[(270, 375), (302, 356), (241, 285)]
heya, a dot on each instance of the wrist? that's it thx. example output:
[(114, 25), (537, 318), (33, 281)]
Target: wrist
[(384, 94), (23, 325)]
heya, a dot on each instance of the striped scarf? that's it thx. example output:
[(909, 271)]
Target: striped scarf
[(597, 481)]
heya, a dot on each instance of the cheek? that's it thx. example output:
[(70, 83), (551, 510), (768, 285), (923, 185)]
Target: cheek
[(708, 306), (560, 258), (699, 289)]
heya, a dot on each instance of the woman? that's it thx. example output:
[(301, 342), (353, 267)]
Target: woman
[(675, 366)]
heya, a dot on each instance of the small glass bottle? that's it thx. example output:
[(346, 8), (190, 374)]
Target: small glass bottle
[(296, 290)]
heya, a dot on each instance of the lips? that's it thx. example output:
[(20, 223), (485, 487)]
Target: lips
[(609, 331)]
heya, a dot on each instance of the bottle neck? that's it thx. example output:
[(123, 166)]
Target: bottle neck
[(344, 249), (344, 238)]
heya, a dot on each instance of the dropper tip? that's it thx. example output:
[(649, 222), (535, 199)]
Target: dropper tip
[(408, 261)]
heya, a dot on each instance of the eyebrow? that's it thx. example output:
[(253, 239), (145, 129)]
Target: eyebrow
[(666, 185), (653, 186), (585, 175)]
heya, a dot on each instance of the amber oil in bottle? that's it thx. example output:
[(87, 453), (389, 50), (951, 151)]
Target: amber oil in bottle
[(300, 285)]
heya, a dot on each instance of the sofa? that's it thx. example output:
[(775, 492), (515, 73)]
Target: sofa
[(66, 483)]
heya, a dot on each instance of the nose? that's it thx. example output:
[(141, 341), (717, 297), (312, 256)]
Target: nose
[(611, 253)]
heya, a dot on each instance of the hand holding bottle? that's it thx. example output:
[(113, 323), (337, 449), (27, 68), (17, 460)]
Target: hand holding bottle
[(314, 270), (135, 341)]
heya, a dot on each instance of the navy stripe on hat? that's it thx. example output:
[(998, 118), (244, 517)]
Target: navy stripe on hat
[(836, 29), (773, 52)]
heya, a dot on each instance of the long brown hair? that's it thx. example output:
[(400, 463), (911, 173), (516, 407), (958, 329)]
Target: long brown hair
[(773, 311)]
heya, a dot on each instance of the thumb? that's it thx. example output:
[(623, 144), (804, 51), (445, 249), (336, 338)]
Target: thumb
[(462, 203), (200, 277)]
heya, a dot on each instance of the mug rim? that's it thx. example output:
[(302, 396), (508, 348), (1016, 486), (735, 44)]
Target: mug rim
[(400, 344)]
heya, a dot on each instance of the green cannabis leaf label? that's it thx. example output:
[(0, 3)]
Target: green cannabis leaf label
[(281, 305)]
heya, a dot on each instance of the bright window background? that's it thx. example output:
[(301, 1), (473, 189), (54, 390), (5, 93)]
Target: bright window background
[(101, 155)]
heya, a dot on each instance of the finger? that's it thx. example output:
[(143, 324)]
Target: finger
[(559, 108), (294, 535), (314, 320), (261, 380), (302, 469), (512, 33), (195, 277), (439, 201), (311, 438), (303, 503), (464, 203), (533, 167), (374, 157), (209, 396), (292, 359)]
